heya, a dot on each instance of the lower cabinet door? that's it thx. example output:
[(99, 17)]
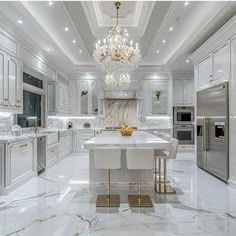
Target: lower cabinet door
[(52, 154), (21, 164)]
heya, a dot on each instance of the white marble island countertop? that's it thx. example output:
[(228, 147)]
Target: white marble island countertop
[(137, 139)]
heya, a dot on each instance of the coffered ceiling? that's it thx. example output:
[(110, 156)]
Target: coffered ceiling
[(66, 32)]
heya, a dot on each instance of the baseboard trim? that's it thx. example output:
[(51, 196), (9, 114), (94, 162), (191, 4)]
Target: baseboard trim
[(232, 184)]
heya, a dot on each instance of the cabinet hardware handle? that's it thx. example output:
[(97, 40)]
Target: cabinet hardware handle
[(24, 145)]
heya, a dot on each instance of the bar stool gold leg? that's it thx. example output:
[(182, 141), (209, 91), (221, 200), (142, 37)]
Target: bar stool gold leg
[(139, 200), (164, 187), (108, 200)]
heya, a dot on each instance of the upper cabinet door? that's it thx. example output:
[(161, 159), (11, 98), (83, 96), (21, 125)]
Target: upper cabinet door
[(188, 91), (12, 78), (178, 91), (205, 71), (19, 87), (2, 71), (221, 62)]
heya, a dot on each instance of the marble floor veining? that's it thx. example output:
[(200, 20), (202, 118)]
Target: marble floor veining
[(61, 202)]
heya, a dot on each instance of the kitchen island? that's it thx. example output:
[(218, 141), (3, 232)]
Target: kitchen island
[(114, 138)]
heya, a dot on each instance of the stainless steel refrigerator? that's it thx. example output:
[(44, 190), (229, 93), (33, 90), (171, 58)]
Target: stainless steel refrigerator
[(213, 131)]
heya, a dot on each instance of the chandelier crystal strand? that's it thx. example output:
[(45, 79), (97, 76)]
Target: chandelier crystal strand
[(119, 80), (115, 55)]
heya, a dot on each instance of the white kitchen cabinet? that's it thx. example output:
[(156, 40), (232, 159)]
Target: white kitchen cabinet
[(146, 107), (84, 97), (205, 74), (11, 83), (58, 98), (21, 160), (2, 79), (221, 61), (188, 91), (182, 92), (18, 164), (62, 145), (80, 137), (177, 91), (52, 155), (68, 143)]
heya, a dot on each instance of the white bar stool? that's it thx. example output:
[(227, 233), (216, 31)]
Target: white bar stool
[(138, 159), (170, 153), (160, 152), (107, 158)]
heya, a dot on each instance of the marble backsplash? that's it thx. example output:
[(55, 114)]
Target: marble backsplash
[(61, 123), (6, 121), (119, 112)]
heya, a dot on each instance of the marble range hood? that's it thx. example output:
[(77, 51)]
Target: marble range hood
[(120, 95)]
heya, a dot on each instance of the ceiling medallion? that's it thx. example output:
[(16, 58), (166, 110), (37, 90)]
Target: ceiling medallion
[(115, 54)]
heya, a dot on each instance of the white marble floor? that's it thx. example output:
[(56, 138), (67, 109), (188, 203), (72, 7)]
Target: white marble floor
[(60, 202)]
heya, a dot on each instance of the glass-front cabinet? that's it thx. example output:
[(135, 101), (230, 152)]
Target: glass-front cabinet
[(89, 91), (159, 97), (155, 97)]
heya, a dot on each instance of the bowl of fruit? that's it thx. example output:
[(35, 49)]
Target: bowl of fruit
[(126, 130)]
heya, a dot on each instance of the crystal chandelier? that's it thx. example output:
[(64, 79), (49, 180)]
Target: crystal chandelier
[(119, 80), (114, 54)]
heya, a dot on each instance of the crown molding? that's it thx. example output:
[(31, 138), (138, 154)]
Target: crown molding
[(227, 31)]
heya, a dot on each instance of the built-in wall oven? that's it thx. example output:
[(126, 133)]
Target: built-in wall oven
[(184, 133), (183, 115)]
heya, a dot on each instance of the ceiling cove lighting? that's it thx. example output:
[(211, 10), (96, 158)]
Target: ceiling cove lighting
[(115, 53), (19, 21)]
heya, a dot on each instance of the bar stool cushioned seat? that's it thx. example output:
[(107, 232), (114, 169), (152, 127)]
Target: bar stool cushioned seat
[(139, 159), (107, 158)]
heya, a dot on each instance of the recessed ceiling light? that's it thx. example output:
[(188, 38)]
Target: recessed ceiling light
[(158, 51), (87, 73), (66, 29), (50, 3), (74, 41), (20, 22), (163, 41), (80, 51), (171, 28), (186, 3), (48, 49), (187, 61)]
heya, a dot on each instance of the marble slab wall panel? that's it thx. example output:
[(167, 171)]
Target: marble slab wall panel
[(6, 121), (119, 112)]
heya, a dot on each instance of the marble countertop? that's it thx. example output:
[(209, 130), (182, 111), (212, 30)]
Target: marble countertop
[(12, 138), (137, 139)]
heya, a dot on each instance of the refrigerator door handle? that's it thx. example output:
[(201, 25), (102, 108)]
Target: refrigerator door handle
[(205, 136)]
